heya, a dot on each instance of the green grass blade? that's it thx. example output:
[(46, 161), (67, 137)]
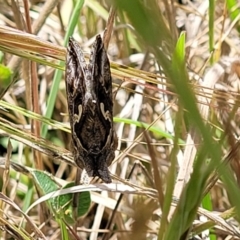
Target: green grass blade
[(155, 130), (58, 74), (211, 12)]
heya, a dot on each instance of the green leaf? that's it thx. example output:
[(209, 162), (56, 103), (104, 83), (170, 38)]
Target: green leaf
[(84, 202), (64, 207), (179, 53), (233, 8), (44, 182), (61, 206), (5, 76)]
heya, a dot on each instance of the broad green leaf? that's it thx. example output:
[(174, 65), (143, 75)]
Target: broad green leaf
[(44, 181), (64, 204)]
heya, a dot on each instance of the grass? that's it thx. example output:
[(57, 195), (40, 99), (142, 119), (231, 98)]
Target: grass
[(176, 170)]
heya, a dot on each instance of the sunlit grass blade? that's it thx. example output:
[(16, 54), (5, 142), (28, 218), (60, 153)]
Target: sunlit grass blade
[(58, 74)]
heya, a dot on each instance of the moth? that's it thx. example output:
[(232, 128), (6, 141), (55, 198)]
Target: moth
[(90, 106)]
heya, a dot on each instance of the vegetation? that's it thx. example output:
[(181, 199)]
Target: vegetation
[(175, 70)]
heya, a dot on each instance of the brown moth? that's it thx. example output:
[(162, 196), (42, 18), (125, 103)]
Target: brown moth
[(90, 106)]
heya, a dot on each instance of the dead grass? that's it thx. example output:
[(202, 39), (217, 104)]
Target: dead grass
[(176, 173)]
